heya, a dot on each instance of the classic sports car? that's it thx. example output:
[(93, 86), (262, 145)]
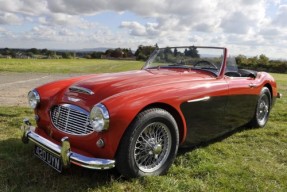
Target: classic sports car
[(135, 121)]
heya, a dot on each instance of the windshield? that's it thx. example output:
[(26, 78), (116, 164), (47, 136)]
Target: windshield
[(198, 58)]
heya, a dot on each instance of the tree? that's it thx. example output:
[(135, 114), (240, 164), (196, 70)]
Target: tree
[(108, 52), (95, 55), (139, 50), (253, 60), (30, 54), (143, 52), (66, 55), (6, 51), (175, 52), (127, 53), (263, 59), (241, 60), (117, 53), (167, 50), (34, 51), (44, 51), (185, 52), (192, 52), (50, 54), (88, 56)]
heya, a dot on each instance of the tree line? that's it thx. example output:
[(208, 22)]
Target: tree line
[(142, 53), (34, 53), (259, 63)]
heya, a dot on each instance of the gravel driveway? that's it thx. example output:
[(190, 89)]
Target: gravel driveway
[(14, 87)]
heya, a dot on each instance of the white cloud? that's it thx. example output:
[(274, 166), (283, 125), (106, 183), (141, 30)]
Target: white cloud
[(27, 7), (237, 23), (281, 16), (68, 20), (246, 23), (137, 29), (10, 18)]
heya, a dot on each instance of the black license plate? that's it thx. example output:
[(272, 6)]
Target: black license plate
[(52, 160)]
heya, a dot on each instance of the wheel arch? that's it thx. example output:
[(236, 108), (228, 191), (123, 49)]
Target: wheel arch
[(270, 88), (271, 91), (178, 118)]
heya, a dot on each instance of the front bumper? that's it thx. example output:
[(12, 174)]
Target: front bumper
[(64, 151)]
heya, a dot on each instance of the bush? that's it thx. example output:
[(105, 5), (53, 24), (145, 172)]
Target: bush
[(262, 64)]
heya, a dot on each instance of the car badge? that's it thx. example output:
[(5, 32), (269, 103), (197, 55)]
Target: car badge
[(73, 99), (57, 115)]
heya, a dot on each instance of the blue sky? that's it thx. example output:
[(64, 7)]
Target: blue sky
[(249, 27)]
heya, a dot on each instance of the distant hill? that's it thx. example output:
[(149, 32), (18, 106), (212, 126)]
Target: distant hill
[(99, 49), (85, 50)]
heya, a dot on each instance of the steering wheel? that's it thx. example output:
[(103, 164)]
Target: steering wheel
[(204, 62)]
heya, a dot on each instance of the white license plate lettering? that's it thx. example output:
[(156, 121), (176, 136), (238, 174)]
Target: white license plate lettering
[(49, 158)]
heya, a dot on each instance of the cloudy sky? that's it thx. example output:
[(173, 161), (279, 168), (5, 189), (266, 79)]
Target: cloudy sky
[(249, 27)]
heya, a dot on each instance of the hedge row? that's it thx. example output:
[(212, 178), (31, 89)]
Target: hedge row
[(262, 63)]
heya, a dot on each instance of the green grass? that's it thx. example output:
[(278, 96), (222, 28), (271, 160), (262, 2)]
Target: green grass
[(248, 160), (68, 65)]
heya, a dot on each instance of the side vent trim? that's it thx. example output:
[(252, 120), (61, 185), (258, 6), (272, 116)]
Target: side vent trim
[(81, 90)]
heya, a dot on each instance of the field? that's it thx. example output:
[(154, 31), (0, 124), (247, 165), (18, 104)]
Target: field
[(67, 65), (248, 160)]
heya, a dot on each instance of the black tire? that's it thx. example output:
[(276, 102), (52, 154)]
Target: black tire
[(149, 145), (262, 110)]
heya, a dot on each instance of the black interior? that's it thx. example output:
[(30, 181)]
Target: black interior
[(242, 73)]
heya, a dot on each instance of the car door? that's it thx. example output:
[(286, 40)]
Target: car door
[(205, 111), (242, 99)]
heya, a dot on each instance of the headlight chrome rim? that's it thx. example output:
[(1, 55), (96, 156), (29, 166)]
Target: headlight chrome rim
[(33, 99), (99, 118)]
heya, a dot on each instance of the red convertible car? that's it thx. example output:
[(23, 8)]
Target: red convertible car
[(135, 121)]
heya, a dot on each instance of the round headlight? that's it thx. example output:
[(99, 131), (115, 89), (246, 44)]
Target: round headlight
[(33, 99), (99, 118)]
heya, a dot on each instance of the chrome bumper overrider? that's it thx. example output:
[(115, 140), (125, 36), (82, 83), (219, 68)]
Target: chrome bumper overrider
[(279, 95), (64, 151)]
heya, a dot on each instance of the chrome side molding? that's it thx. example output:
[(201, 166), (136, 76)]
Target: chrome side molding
[(200, 99)]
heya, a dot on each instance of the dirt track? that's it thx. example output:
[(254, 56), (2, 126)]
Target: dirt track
[(15, 86)]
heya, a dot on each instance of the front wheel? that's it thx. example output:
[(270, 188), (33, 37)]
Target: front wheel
[(149, 145), (262, 109)]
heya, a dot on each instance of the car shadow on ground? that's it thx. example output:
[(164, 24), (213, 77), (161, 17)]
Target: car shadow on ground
[(183, 150)]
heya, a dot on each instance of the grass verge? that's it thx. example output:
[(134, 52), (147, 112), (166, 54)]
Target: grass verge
[(68, 65)]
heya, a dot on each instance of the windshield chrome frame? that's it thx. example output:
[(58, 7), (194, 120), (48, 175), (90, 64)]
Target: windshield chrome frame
[(220, 72)]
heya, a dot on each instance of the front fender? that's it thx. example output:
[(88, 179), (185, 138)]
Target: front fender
[(123, 108)]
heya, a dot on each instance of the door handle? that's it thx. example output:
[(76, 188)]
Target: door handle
[(252, 85)]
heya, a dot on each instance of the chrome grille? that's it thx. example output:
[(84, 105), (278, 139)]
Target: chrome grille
[(71, 119)]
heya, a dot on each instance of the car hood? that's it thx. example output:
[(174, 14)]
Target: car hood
[(105, 85)]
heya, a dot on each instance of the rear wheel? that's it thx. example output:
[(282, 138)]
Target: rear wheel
[(262, 109), (149, 145)]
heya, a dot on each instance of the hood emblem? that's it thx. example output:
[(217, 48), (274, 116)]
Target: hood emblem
[(74, 99)]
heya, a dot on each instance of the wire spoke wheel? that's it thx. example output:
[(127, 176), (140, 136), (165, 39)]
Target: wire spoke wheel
[(152, 147), (263, 109), (149, 145)]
